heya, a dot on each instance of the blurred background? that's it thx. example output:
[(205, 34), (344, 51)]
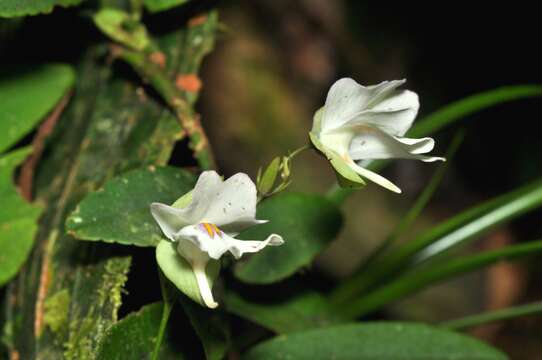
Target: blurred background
[(273, 64)]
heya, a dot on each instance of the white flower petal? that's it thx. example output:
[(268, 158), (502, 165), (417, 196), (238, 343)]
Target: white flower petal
[(170, 219), (403, 107), (208, 185), (374, 177), (206, 239), (204, 287), (392, 120), (373, 143), (213, 242), (346, 99), (382, 91), (240, 247), (233, 205)]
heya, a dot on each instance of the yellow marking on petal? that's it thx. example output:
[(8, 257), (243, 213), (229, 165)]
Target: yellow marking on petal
[(211, 229), (217, 230)]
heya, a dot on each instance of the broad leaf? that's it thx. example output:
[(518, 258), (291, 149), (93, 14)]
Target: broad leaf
[(17, 219), (120, 212), (308, 223), (134, 337), (13, 8), (375, 341), (305, 311), (26, 96), (161, 5)]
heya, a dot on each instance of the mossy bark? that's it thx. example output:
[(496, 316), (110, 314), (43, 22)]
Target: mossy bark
[(69, 292)]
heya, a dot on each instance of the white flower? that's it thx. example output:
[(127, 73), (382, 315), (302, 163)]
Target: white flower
[(359, 123), (206, 228)]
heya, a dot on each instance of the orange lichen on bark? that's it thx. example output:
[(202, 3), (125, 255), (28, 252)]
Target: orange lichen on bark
[(158, 58), (197, 20), (188, 82), (45, 280)]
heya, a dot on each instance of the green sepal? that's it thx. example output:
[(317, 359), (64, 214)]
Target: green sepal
[(179, 271), (346, 177)]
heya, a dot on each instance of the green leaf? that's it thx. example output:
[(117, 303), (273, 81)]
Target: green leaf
[(471, 224), (18, 219), (308, 223), (134, 337), (26, 96), (304, 311), (13, 8), (179, 271), (492, 316), (121, 27), (424, 276), (211, 327), (375, 341), (120, 212), (160, 5), (471, 104)]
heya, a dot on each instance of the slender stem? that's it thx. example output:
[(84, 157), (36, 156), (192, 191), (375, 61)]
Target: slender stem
[(492, 316), (166, 311), (187, 118), (299, 151)]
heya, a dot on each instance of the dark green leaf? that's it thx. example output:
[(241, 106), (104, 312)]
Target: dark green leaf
[(134, 337), (306, 311), (161, 5), (13, 8), (375, 341), (26, 96), (308, 223), (211, 327), (120, 213), (17, 219)]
